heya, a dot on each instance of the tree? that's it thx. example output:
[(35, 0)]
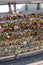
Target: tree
[(26, 6), (38, 6)]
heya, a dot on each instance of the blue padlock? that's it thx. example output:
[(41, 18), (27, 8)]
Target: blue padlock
[(1, 35), (28, 44)]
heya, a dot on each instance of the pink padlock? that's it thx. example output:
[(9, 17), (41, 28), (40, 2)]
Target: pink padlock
[(42, 37), (0, 30)]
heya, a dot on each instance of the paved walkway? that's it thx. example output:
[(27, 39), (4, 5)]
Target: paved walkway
[(34, 60), (36, 63)]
